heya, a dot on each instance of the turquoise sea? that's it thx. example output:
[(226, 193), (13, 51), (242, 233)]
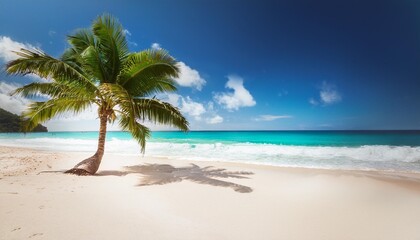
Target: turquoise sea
[(373, 150)]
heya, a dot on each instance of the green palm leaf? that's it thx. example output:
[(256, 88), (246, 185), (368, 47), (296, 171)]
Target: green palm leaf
[(138, 131), (160, 112), (81, 39), (52, 90), (45, 66), (149, 72), (99, 69), (112, 45), (39, 112)]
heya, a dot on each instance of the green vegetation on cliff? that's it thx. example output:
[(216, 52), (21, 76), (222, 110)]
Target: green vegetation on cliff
[(10, 122)]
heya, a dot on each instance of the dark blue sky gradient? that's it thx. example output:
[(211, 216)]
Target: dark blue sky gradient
[(284, 50)]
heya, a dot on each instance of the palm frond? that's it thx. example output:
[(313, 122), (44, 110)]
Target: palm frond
[(160, 112), (73, 59), (39, 112), (84, 53), (112, 44), (152, 110), (81, 39), (45, 66), (117, 95), (137, 130), (93, 65), (98, 69), (52, 90), (149, 72)]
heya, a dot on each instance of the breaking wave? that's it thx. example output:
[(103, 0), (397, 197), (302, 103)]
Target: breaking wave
[(378, 157)]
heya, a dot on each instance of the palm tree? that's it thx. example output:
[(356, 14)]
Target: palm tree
[(98, 69)]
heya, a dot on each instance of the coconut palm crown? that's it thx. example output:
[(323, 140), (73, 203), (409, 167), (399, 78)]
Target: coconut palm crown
[(98, 69)]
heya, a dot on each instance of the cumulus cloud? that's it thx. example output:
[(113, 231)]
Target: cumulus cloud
[(328, 95), (271, 117), (215, 119), (199, 111), (194, 109), (156, 46), (13, 104), (240, 97), (7, 45), (210, 106), (171, 98), (126, 32), (189, 77), (185, 104)]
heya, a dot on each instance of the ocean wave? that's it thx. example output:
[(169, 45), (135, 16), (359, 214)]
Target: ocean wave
[(366, 157)]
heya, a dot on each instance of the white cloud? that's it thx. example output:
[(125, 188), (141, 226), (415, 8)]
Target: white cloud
[(215, 119), (199, 112), (13, 104), (210, 106), (240, 97), (327, 95), (185, 104), (156, 46), (194, 109), (7, 45), (126, 32), (189, 77), (171, 98), (271, 117)]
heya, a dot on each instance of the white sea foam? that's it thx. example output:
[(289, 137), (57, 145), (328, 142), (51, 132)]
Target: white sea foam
[(364, 157)]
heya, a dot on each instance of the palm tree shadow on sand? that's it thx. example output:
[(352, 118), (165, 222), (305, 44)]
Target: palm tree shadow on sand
[(160, 174)]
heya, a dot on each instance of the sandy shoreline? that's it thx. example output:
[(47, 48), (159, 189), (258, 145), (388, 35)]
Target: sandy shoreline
[(145, 198)]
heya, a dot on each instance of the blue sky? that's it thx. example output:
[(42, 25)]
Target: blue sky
[(253, 64)]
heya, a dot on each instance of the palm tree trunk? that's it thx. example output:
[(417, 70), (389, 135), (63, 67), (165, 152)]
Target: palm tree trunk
[(90, 165)]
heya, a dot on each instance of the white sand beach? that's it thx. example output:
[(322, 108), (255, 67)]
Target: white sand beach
[(144, 198)]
